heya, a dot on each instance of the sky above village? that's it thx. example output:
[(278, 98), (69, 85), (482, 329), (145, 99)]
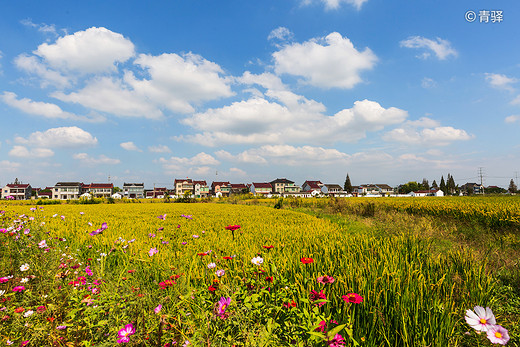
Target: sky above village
[(250, 91)]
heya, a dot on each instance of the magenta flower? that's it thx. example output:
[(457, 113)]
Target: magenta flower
[(353, 298), (88, 271), (325, 279), (337, 341), (162, 216), (223, 304), (152, 251), (104, 226), (482, 320), (186, 216), (19, 289), (125, 333), (318, 296), (497, 334), (220, 272), (157, 309), (4, 279)]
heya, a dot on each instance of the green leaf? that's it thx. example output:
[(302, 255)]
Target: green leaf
[(336, 330)]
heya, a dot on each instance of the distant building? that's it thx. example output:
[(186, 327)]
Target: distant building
[(238, 188), (430, 192), (309, 186), (200, 189), (68, 190), (472, 188), (279, 186), (17, 191), (182, 186), (133, 190), (100, 190), (220, 188), (261, 188)]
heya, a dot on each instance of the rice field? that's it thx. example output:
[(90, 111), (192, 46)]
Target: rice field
[(226, 275)]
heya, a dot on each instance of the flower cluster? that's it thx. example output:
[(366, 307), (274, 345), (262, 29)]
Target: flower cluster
[(484, 320)]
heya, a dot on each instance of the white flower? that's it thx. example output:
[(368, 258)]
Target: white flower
[(42, 244), (28, 313), (257, 260), (211, 265), (2, 292), (103, 254), (24, 280), (220, 272), (482, 320), (24, 267)]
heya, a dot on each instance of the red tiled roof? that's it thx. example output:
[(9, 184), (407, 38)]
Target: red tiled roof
[(101, 185), (238, 186), (262, 185), (18, 185), (202, 183)]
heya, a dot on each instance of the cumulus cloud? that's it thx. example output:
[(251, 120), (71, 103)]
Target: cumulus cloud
[(198, 164), (88, 160), (441, 48), (327, 62), (259, 121), (159, 149), (129, 146), (413, 159), (335, 4), (90, 51), (500, 81), (512, 119), (43, 109), (33, 65), (64, 137), (23, 152), (431, 134)]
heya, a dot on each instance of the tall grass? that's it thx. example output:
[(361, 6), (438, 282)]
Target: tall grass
[(411, 298)]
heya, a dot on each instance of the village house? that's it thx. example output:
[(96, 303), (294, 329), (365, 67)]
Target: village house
[(472, 188), (283, 185), (220, 188), (68, 190), (310, 186), (375, 189), (238, 188), (182, 186), (200, 189), (133, 190), (17, 191), (100, 190), (334, 190), (261, 188), (430, 192)]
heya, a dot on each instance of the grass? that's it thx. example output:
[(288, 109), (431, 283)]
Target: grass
[(416, 277)]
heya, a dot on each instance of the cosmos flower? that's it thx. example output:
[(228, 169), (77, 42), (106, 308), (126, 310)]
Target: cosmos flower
[(220, 272), (222, 306), (124, 333), (157, 309), (162, 216), (257, 260), (481, 319), (152, 251), (24, 267), (211, 265), (497, 334)]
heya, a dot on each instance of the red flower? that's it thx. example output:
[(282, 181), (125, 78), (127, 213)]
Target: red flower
[(353, 298), (289, 304), (211, 288), (131, 271), (318, 296), (268, 247), (307, 260), (167, 283), (232, 227), (203, 254), (325, 279), (321, 327), (19, 310), (228, 258), (269, 279), (41, 308), (50, 319)]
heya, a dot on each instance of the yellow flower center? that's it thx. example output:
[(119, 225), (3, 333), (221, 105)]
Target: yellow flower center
[(483, 321), (224, 307), (498, 335)]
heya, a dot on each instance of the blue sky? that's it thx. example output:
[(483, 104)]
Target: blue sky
[(249, 91)]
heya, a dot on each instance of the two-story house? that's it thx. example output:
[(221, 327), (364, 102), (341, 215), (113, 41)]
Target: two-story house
[(310, 186), (181, 186), (200, 189), (220, 188), (100, 190), (17, 191), (67, 190), (133, 190), (261, 188)]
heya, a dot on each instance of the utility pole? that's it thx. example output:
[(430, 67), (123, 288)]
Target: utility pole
[(481, 178)]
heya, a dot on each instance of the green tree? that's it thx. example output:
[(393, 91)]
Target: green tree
[(425, 184), (117, 190), (409, 187), (442, 186), (348, 186), (450, 185), (434, 185), (512, 187)]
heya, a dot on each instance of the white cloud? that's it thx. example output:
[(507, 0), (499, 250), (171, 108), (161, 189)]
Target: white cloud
[(9, 166), (244, 157), (281, 33), (198, 164), (176, 82), (90, 51), (431, 134), (86, 159), (412, 160), (334, 4), (23, 152), (515, 101), (65, 137), (500, 81), (427, 83), (32, 65), (43, 28), (512, 119), (328, 62), (237, 172), (129, 146), (441, 48), (44, 109), (159, 149), (258, 121)]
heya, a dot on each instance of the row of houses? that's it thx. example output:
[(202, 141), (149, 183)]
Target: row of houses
[(199, 189)]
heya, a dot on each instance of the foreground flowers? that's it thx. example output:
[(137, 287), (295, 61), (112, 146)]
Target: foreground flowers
[(125, 333), (353, 298), (482, 320), (498, 334), (222, 306)]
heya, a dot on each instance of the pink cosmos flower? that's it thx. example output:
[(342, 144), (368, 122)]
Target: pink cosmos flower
[(222, 306), (482, 320), (353, 298), (125, 333), (157, 309), (337, 341), (162, 216), (88, 271), (318, 296), (4, 279), (220, 272), (43, 244), (19, 289), (497, 334), (152, 251), (325, 279)]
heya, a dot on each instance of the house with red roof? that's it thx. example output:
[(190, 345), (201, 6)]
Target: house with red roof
[(17, 191), (262, 188)]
